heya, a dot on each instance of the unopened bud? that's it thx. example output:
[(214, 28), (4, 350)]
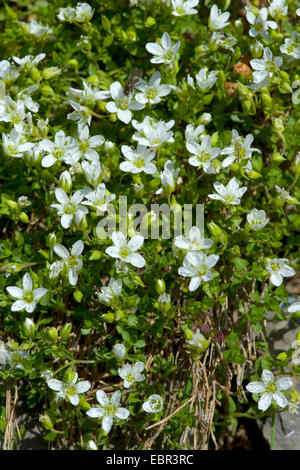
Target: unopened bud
[(29, 327), (65, 181), (65, 331), (160, 286), (119, 351), (52, 334)]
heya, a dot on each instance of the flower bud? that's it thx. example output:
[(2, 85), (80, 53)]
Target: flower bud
[(256, 50), (29, 327), (51, 240), (24, 217), (35, 74), (70, 375), (91, 445), (65, 331), (52, 334), (164, 302), (217, 232), (81, 221), (50, 72), (65, 181), (160, 286), (119, 351), (46, 422)]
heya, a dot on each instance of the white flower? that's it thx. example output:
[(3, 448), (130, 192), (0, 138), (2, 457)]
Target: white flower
[(239, 149), (218, 19), (8, 72), (152, 91), (88, 93), (132, 373), (197, 266), (108, 410), (57, 150), (126, 251), (119, 351), (92, 171), (165, 52), (37, 29), (70, 264), (194, 242), (138, 160), (91, 445), (66, 14), (14, 112), (70, 208), (108, 293), (84, 147), (27, 297), (83, 12), (99, 199), (69, 390), (13, 144), (168, 177), (229, 194), (270, 390), (193, 134), (265, 68), (278, 9), (14, 358), (153, 404), (204, 154), (24, 95), (82, 115), (295, 307), (153, 133), (182, 7), (198, 341), (206, 80), (218, 39), (260, 23), (291, 46), (279, 269), (29, 61), (122, 104), (257, 219)]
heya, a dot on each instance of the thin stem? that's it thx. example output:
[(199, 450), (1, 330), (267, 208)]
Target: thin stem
[(273, 429)]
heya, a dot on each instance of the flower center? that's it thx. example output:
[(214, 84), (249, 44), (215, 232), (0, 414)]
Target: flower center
[(122, 103), (271, 387), (124, 252), (139, 162), (28, 297), (110, 410), (69, 208), (151, 93)]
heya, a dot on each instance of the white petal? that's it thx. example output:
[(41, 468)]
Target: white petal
[(194, 283), (77, 248), (39, 293), (267, 376), (61, 251), (107, 423), (55, 384), (256, 387), (102, 398), (122, 413), (18, 305), (136, 260), (280, 399), (27, 282), (265, 401), (284, 383), (61, 196), (135, 242), (83, 386), (95, 412), (15, 292), (74, 399)]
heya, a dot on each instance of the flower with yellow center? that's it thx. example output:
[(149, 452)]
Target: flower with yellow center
[(27, 297), (270, 389)]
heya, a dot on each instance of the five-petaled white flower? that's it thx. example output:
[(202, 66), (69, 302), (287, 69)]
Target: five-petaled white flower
[(168, 178), (229, 194), (13, 144), (205, 79), (165, 52), (218, 19), (69, 390), (152, 91), (278, 9), (99, 199), (260, 23), (270, 390), (27, 297), (184, 7), (265, 68), (132, 373), (194, 242), (108, 409), (108, 293), (70, 208), (291, 46), (57, 150), (239, 149), (257, 219), (138, 160), (197, 266), (126, 251), (70, 264), (153, 133), (153, 404), (279, 269), (122, 104), (204, 154), (85, 145)]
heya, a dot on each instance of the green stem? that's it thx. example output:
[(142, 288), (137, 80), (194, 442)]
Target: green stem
[(273, 429), (72, 363)]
